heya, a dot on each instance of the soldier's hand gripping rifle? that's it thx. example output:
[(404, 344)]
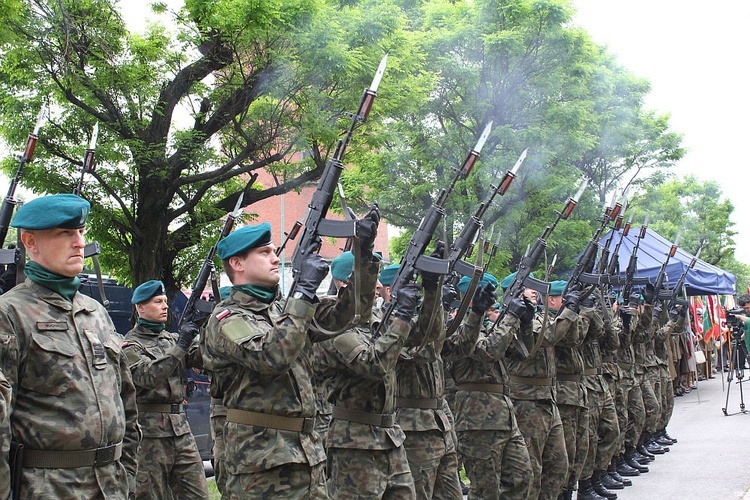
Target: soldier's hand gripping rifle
[(197, 308), (523, 279), (414, 259), (315, 224), (630, 279), (15, 256)]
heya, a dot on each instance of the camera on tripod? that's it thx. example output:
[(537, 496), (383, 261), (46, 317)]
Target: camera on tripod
[(736, 324)]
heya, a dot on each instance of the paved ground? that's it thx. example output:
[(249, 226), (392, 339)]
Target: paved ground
[(710, 459)]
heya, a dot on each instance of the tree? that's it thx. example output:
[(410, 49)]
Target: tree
[(262, 82)]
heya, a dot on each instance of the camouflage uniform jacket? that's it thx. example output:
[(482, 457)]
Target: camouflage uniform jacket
[(419, 371), (592, 356), (158, 367), (482, 410), (641, 337), (364, 381), (569, 367), (542, 364), (5, 400), (72, 388), (609, 344), (664, 335), (261, 356)]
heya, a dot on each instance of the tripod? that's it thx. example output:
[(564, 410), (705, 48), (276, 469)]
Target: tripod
[(736, 367)]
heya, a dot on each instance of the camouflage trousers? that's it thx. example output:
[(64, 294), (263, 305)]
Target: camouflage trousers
[(218, 418), (170, 467), (295, 481), (650, 387), (542, 430), (604, 432), (497, 464), (82, 483), (621, 408), (575, 421), (362, 474), (667, 398), (636, 413), (434, 463)]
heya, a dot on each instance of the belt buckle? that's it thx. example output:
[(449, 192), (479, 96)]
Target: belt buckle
[(387, 420), (105, 455), (506, 390), (175, 408), (308, 425)]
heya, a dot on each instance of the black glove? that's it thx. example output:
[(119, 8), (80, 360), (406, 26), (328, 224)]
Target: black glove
[(483, 299), (634, 299), (367, 230), (658, 308), (522, 309), (649, 293), (589, 301), (572, 299), (188, 332), (676, 313), (407, 302), (430, 280), (450, 294), (314, 269)]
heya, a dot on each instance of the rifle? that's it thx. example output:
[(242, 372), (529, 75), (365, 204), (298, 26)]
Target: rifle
[(316, 225), (194, 304), (659, 281), (633, 265), (9, 202), (523, 278), (613, 268), (414, 259), (582, 272), (677, 290)]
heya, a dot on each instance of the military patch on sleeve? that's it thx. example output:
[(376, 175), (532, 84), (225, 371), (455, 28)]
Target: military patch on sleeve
[(222, 314), (238, 331)]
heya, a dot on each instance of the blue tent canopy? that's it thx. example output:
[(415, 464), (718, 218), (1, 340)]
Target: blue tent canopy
[(702, 279)]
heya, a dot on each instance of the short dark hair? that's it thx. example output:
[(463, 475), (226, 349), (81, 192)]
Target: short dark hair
[(743, 299)]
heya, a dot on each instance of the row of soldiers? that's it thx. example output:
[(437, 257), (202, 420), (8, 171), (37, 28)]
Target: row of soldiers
[(84, 415)]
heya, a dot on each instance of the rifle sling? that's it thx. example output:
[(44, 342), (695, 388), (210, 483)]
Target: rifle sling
[(475, 278)]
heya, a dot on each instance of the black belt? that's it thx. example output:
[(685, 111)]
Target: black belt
[(278, 422), (422, 403), (71, 459), (480, 387), (160, 407), (364, 417)]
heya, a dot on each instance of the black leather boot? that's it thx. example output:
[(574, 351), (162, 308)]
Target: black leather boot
[(661, 439), (626, 470), (652, 446), (596, 482), (567, 494), (631, 461), (667, 436), (586, 491), (641, 448), (609, 482), (612, 471)]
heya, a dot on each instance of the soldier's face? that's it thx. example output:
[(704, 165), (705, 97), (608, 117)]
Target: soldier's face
[(59, 250), (259, 266), (154, 309)]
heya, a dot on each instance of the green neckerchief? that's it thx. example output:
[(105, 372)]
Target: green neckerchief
[(62, 285), (265, 294), (151, 325)]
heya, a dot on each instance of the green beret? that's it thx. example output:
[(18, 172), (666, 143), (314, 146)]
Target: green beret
[(463, 283), (341, 266), (505, 284), (556, 287), (66, 211), (147, 290), (243, 239), (388, 273), (224, 292)]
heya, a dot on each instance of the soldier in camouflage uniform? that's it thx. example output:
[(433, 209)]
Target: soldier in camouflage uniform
[(423, 411), (572, 400), (5, 401), (218, 416), (366, 456), (259, 348), (169, 465), (604, 429), (73, 408), (673, 329), (532, 389), (650, 384), (493, 449)]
